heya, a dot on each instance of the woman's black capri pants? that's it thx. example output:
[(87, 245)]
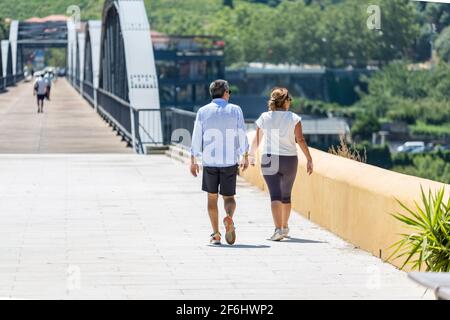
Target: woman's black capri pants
[(279, 173)]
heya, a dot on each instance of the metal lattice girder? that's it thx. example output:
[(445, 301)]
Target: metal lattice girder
[(72, 49), (2, 79), (71, 32), (1, 63), (13, 37), (5, 55), (81, 52), (95, 33), (126, 21)]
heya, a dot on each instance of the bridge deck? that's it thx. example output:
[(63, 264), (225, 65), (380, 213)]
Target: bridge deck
[(69, 125), (129, 226)]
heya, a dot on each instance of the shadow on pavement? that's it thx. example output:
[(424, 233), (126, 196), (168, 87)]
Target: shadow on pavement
[(296, 240), (241, 246)]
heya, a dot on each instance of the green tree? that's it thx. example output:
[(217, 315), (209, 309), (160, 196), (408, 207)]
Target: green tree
[(364, 126), (442, 44), (228, 3), (427, 167), (3, 29)]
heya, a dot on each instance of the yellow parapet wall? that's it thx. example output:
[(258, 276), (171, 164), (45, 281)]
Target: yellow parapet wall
[(351, 199)]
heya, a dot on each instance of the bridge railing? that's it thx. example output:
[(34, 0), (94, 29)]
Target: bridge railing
[(19, 77), (10, 81), (88, 92), (77, 84), (127, 121)]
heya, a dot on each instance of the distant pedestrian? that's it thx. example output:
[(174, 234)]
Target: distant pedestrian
[(40, 90), (48, 83)]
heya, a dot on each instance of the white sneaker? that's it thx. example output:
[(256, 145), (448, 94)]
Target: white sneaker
[(285, 232), (277, 236)]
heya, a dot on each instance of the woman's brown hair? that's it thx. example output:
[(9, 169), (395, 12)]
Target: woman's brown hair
[(278, 98)]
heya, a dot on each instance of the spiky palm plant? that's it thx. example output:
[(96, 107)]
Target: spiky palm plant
[(429, 244)]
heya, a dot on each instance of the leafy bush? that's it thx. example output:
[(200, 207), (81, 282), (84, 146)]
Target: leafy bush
[(364, 126), (432, 131), (443, 44), (379, 156), (400, 93), (312, 107), (404, 110), (430, 241), (427, 167)]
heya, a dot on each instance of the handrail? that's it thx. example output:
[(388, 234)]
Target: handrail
[(119, 100), (129, 120)]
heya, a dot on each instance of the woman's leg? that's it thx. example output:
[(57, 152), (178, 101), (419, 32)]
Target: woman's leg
[(270, 169), (287, 208), (288, 166), (274, 185), (277, 213)]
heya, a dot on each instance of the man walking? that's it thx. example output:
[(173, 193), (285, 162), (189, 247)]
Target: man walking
[(220, 138), (40, 89)]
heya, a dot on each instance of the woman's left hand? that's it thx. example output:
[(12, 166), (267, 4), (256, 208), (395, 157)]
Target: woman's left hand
[(310, 167)]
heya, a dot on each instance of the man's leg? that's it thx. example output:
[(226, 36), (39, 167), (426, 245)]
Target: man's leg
[(230, 205), (228, 178), (213, 211)]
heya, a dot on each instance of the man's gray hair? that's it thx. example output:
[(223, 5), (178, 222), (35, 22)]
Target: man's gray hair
[(218, 88)]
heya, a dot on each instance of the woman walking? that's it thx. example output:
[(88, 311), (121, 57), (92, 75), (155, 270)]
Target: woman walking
[(282, 131)]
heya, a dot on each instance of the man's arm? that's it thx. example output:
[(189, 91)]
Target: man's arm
[(243, 140), (197, 145)]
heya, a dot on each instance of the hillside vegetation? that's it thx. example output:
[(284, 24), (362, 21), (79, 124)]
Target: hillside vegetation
[(330, 32)]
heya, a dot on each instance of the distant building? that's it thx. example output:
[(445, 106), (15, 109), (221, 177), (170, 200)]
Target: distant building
[(255, 80), (324, 132), (186, 65)]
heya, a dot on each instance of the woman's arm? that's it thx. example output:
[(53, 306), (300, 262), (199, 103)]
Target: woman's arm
[(255, 144), (302, 143)]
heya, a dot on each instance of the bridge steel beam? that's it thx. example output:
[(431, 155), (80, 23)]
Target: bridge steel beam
[(76, 54), (7, 63), (128, 72), (72, 50), (92, 61), (70, 44), (13, 38), (81, 37), (2, 79)]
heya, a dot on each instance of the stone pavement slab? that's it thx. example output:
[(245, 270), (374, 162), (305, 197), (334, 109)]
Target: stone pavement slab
[(69, 124), (135, 227)]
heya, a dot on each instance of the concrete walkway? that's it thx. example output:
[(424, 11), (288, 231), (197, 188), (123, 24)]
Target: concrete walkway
[(135, 227), (69, 124)]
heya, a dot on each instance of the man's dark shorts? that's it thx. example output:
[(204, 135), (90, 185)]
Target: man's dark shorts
[(41, 97), (224, 177)]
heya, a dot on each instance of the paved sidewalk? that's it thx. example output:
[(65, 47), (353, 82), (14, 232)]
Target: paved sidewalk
[(69, 124), (135, 227)]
